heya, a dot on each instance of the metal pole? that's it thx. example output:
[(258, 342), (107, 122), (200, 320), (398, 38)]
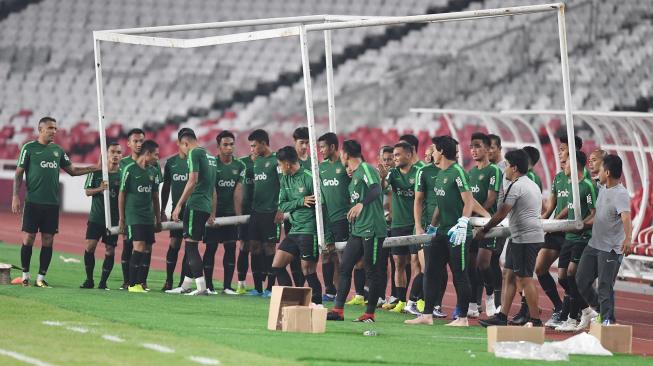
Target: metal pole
[(569, 119), (103, 138), (310, 118), (329, 77)]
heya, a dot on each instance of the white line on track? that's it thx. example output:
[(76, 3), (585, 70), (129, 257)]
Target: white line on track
[(78, 329), (21, 357), (204, 360), (158, 348), (112, 338), (52, 323)]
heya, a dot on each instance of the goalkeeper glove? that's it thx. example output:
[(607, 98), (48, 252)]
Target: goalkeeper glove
[(458, 233)]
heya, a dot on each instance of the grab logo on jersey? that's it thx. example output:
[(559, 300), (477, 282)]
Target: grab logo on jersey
[(405, 193), (144, 189), (330, 182), (564, 193), (261, 176), (49, 164), (226, 183), (355, 196), (475, 189), (439, 192), (180, 177)]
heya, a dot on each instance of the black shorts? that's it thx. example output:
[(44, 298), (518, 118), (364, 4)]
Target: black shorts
[(486, 243), (195, 224), (141, 232), (243, 232), (301, 246), (38, 217), (520, 258), (571, 252), (287, 226), (340, 230), (554, 241), (262, 227), (221, 234), (96, 231), (401, 231)]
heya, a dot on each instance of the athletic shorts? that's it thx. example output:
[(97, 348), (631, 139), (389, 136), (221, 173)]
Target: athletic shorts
[(402, 231), (301, 246), (243, 232), (487, 243), (95, 231), (178, 234), (262, 227), (340, 230), (287, 226), (520, 258), (554, 241), (221, 234), (38, 217), (141, 232), (195, 224), (571, 252)]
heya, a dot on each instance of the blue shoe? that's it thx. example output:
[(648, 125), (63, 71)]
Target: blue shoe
[(266, 294), (456, 312), (253, 292), (328, 297)]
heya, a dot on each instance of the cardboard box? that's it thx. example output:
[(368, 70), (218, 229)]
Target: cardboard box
[(513, 334), (615, 338), (303, 319), (318, 320), (283, 296)]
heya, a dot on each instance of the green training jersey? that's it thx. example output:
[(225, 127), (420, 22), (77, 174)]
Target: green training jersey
[(138, 184), (175, 172), (448, 186), (41, 164), (535, 178), (204, 164), (93, 180), (403, 196), (425, 183), (588, 192), (335, 189), (293, 189), (248, 184), (266, 184), (228, 177), (154, 168), (420, 164), (484, 180), (306, 164), (371, 221), (560, 188)]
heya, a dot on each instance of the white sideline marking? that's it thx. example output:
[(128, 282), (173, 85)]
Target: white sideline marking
[(112, 338), (78, 329), (23, 358), (52, 323), (204, 360), (69, 260), (158, 348)]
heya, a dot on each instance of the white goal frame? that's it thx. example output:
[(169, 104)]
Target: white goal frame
[(326, 23)]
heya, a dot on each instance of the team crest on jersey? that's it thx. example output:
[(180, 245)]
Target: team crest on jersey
[(480, 177), (301, 189), (56, 154), (411, 180), (151, 177), (444, 181), (267, 164), (235, 171), (338, 170)]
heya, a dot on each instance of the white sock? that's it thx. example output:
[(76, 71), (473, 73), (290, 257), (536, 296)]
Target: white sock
[(200, 283), (410, 303), (188, 282), (241, 283), (473, 306), (40, 277), (26, 276)]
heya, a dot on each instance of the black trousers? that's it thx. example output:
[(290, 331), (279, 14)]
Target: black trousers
[(604, 266)]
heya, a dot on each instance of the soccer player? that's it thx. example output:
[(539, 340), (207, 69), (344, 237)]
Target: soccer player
[(386, 162), (135, 138), (611, 240), (335, 190), (230, 174), (242, 264), (573, 247), (95, 227), (368, 230), (533, 158), (175, 176), (595, 164), (296, 197), (40, 161), (139, 209), (485, 181), (199, 201), (522, 202), (401, 181), (265, 218)]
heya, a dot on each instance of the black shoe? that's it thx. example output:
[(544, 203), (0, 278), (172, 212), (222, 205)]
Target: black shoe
[(124, 286), (102, 286), (87, 284), (167, 286), (336, 316), (498, 319), (535, 322), (521, 317)]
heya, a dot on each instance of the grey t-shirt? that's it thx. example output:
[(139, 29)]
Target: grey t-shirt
[(608, 231), (524, 221)]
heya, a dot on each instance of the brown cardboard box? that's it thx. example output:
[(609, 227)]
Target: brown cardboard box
[(318, 320), (513, 334), (615, 338), (303, 319), (283, 296)]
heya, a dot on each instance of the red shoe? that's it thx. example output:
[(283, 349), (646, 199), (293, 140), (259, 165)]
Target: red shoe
[(365, 318), (336, 314)]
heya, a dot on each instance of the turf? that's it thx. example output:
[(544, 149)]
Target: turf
[(229, 329)]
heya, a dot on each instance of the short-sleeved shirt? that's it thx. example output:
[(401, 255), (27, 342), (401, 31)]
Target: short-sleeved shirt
[(335, 189), (293, 189), (524, 221), (266, 184), (41, 164), (138, 184), (248, 184), (560, 188), (306, 164), (587, 191), (483, 180), (535, 178), (204, 164), (608, 231), (228, 177), (449, 184), (154, 168), (176, 173), (425, 183), (94, 180), (403, 196), (371, 221)]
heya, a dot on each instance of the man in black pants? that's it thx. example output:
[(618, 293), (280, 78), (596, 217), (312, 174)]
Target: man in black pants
[(367, 232)]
